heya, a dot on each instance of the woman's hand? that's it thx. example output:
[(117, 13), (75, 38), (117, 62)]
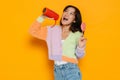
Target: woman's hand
[(45, 17), (82, 42)]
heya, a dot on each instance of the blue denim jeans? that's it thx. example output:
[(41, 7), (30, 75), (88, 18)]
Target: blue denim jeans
[(67, 71)]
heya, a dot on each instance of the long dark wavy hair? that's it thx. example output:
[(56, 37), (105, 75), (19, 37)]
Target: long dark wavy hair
[(75, 26)]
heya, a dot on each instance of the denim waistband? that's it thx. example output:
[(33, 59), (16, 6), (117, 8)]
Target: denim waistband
[(67, 65)]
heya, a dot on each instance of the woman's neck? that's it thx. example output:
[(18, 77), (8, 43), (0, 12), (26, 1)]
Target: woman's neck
[(65, 28)]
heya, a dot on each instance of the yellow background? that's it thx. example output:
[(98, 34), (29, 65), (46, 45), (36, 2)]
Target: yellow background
[(23, 57)]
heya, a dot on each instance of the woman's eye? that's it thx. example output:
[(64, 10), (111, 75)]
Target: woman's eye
[(71, 13), (65, 11)]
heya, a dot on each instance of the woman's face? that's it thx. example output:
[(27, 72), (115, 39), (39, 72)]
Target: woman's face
[(68, 16)]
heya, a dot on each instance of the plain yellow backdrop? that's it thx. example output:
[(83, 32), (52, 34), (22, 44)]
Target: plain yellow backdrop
[(23, 57)]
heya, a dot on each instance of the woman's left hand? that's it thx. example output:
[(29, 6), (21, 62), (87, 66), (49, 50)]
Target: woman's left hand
[(82, 42)]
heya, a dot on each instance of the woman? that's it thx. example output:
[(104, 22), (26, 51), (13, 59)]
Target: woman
[(65, 43)]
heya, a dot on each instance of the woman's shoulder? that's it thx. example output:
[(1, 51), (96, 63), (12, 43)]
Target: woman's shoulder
[(77, 33), (54, 29), (54, 26)]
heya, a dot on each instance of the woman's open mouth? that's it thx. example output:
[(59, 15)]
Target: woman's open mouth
[(65, 19)]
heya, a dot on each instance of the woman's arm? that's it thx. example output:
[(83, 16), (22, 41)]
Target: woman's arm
[(36, 30), (80, 52)]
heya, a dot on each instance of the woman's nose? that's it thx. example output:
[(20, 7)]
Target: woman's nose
[(67, 14)]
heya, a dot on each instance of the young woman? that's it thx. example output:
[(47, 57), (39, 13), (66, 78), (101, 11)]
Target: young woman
[(65, 43)]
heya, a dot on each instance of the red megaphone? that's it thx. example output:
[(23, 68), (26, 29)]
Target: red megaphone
[(51, 14)]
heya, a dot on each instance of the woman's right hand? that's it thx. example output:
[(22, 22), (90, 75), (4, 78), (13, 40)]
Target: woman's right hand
[(45, 17)]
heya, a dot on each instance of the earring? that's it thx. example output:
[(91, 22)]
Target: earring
[(74, 21)]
